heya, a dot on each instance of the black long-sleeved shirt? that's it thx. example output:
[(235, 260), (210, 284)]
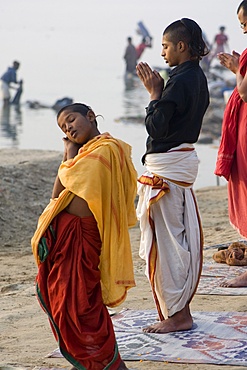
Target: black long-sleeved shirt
[(177, 117)]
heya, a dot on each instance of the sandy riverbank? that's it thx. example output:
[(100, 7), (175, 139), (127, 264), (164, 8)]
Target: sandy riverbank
[(26, 179)]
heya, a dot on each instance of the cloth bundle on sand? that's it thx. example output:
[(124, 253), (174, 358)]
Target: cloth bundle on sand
[(234, 255)]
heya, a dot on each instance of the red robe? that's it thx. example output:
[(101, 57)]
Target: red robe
[(232, 155), (70, 254)]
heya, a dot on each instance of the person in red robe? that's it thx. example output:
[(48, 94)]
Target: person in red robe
[(232, 153)]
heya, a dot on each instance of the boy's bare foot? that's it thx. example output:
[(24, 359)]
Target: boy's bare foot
[(239, 281), (181, 320)]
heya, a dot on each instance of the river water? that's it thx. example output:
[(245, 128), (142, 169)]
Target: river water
[(74, 48)]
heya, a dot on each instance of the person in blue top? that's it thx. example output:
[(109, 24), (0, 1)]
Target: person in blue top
[(7, 78)]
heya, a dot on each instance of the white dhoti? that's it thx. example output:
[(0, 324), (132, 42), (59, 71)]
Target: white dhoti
[(171, 233), (4, 88)]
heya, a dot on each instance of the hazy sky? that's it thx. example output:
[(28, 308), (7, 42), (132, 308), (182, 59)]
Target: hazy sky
[(55, 40)]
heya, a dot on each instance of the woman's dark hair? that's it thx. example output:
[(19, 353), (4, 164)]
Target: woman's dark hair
[(243, 5), (188, 31)]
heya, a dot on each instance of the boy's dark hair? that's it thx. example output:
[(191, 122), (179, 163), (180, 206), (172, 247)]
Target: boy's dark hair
[(188, 31), (242, 5), (76, 107)]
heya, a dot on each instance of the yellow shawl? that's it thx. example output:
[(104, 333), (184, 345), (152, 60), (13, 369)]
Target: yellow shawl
[(103, 174)]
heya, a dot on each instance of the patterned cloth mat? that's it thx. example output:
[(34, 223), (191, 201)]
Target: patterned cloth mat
[(216, 338), (213, 274)]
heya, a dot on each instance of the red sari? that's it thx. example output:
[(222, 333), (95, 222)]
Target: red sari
[(237, 185), (69, 291), (232, 155)]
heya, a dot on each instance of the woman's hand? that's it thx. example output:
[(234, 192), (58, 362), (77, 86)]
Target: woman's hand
[(230, 61), (70, 149), (152, 80)]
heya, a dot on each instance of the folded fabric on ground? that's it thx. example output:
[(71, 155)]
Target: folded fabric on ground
[(213, 274), (216, 338)]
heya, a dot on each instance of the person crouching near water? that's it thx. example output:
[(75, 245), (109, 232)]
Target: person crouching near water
[(82, 245), (171, 234)]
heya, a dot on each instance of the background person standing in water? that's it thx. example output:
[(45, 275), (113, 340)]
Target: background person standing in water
[(171, 234), (220, 44), (130, 57), (7, 78)]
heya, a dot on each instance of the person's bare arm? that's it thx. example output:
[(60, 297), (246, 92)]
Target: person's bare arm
[(70, 151), (57, 188), (242, 85)]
